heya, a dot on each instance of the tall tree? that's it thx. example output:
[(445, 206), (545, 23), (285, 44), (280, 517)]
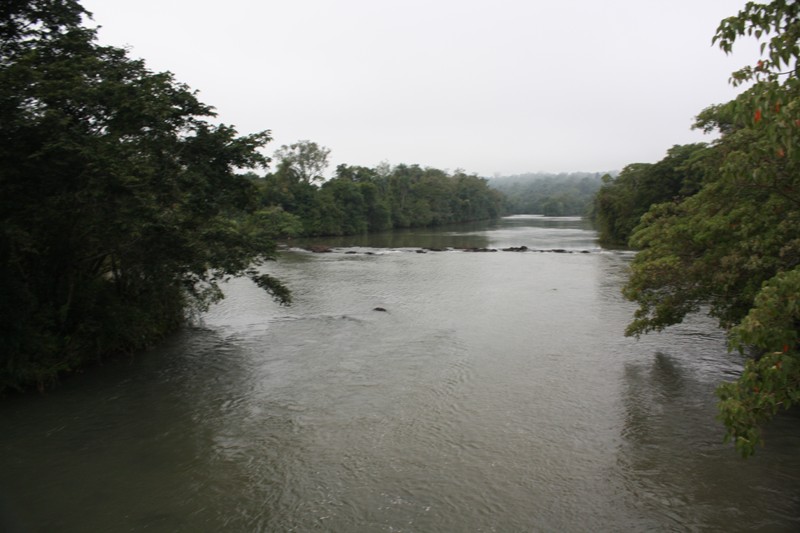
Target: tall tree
[(119, 202), (306, 158), (359, 199)]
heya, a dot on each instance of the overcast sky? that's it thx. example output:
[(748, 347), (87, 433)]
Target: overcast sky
[(492, 87)]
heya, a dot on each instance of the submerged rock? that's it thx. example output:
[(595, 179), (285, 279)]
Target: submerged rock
[(319, 249)]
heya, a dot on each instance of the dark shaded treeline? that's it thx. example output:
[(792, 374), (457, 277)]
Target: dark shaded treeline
[(360, 199), (620, 202), (120, 206)]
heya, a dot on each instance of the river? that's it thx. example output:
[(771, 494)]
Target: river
[(496, 392)]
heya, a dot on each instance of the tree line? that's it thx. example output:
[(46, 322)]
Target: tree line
[(358, 199), (717, 225), (619, 203)]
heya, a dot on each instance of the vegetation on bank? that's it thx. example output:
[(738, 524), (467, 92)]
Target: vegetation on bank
[(621, 201), (718, 225), (298, 202)]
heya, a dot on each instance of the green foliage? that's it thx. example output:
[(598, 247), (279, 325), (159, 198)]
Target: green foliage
[(621, 201), (777, 20), (275, 222), (771, 381), (272, 285), (716, 247), (767, 385), (721, 248), (26, 23), (119, 204), (307, 159), (733, 247), (360, 199), (773, 322)]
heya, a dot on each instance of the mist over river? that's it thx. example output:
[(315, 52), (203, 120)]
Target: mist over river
[(495, 393)]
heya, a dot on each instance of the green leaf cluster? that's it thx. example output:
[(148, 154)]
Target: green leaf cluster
[(770, 382)]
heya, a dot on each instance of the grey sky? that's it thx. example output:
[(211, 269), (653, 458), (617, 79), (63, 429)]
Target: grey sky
[(495, 86)]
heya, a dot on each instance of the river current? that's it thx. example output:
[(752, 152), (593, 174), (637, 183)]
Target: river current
[(496, 392)]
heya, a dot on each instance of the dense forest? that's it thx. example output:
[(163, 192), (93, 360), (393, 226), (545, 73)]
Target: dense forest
[(297, 201), (123, 205), (565, 194), (717, 225), (622, 200), (120, 202)]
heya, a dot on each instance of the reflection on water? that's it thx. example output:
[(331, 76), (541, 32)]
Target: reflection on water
[(469, 236), (497, 393), (672, 464), (536, 232)]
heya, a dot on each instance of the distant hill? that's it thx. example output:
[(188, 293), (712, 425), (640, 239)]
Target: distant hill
[(564, 194)]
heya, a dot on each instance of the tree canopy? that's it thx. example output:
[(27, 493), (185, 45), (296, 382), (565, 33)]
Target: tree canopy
[(306, 159), (730, 243), (622, 200), (359, 199), (120, 202)]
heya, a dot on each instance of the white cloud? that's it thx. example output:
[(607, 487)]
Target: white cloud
[(501, 86)]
